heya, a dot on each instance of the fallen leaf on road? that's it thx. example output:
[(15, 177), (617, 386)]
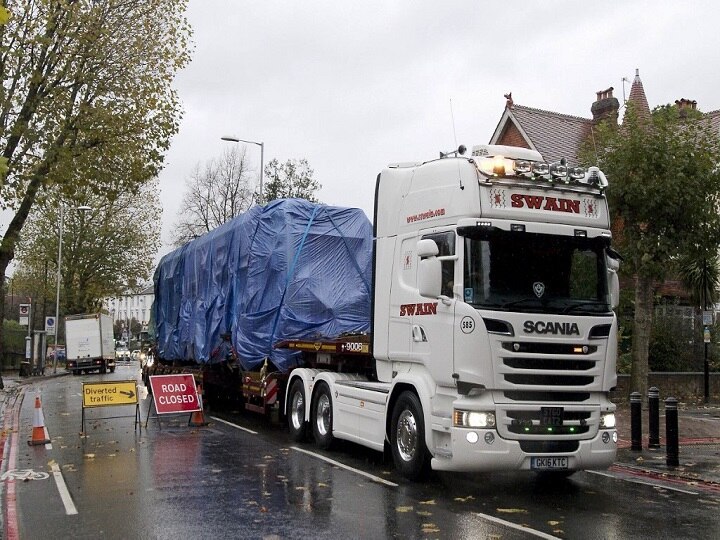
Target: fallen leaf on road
[(321, 484), (90, 456), (404, 509), (512, 511), (553, 523), (430, 528), (423, 513), (431, 501), (464, 499)]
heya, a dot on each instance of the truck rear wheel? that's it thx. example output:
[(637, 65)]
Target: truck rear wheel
[(407, 437), (296, 411), (321, 416)]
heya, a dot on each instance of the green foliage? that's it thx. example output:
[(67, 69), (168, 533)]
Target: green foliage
[(671, 342), (664, 188), (105, 249), (87, 99), (292, 179), (664, 196), (701, 277)]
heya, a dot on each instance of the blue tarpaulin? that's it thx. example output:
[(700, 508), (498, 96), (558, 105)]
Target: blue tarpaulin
[(289, 270)]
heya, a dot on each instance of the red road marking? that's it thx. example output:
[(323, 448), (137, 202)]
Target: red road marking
[(11, 416)]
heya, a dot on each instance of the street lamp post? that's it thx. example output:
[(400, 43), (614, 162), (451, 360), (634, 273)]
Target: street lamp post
[(262, 162), (57, 292)]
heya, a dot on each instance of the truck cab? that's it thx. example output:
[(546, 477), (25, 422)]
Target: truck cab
[(493, 333)]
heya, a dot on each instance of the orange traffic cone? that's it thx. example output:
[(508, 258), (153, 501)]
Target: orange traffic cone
[(38, 432), (197, 418)]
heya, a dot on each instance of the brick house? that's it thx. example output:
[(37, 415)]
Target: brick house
[(556, 135)]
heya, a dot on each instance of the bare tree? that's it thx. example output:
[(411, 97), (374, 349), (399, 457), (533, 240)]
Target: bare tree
[(215, 194)]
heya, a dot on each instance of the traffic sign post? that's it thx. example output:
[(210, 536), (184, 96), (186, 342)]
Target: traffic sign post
[(109, 394), (50, 326), (174, 394)]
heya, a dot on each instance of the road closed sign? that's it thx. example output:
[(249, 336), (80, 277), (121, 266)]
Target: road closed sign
[(174, 393)]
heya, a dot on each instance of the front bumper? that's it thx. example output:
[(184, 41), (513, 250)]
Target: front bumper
[(503, 454)]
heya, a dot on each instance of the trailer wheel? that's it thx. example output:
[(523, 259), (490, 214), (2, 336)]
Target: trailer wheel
[(407, 437), (296, 411), (321, 416)]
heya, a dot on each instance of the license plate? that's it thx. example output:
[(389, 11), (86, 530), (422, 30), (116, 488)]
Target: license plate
[(551, 416), (548, 463)]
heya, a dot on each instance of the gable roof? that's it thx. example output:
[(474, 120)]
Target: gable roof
[(553, 134)]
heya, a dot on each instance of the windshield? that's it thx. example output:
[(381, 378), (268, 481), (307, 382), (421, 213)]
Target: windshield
[(518, 271)]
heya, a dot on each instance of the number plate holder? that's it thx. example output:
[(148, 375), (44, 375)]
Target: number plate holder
[(551, 416)]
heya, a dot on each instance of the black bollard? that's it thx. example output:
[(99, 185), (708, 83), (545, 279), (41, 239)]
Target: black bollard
[(671, 433), (654, 420), (636, 421)]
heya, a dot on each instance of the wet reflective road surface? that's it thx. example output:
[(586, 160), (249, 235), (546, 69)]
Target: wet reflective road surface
[(240, 478)]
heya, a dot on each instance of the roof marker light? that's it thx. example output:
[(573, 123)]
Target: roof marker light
[(577, 173), (541, 169)]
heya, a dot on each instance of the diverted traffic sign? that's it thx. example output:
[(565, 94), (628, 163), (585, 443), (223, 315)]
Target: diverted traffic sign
[(104, 394), (174, 393)]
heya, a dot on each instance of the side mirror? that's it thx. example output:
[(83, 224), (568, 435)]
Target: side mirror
[(427, 248), (613, 265), (429, 276)]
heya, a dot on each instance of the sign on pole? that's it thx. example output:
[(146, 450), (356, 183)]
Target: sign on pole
[(50, 326), (707, 317), (24, 314), (174, 393)]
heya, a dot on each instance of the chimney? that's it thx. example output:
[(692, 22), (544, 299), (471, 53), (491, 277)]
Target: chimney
[(606, 107), (685, 105)]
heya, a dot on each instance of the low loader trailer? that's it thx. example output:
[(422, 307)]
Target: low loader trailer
[(470, 329)]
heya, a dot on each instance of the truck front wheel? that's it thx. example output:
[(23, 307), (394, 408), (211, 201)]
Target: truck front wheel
[(407, 437), (322, 416), (296, 411)]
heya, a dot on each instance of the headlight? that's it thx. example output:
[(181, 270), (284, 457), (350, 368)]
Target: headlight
[(473, 419), (607, 421)]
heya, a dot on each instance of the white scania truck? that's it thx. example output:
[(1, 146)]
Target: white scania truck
[(494, 341)]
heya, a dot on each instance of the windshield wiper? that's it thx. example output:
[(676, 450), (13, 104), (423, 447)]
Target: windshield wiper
[(573, 307)]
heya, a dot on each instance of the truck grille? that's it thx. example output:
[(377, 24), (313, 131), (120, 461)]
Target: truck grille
[(547, 396), (528, 423), (549, 380)]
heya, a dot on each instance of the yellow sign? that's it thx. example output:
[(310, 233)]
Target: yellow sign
[(104, 394)]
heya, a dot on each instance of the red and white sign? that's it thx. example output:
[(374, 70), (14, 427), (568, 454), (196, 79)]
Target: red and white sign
[(174, 393)]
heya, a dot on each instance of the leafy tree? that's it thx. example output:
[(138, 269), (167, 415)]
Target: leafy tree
[(105, 249), (664, 195), (86, 100), (292, 179), (214, 194)]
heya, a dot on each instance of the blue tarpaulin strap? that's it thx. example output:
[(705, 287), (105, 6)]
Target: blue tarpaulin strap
[(352, 259), (290, 273)]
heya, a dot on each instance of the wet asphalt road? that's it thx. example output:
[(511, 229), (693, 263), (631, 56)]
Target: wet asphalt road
[(174, 481)]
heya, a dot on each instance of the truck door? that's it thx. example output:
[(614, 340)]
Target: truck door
[(433, 320)]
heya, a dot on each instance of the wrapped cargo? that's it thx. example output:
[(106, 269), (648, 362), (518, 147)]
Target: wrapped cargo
[(289, 270)]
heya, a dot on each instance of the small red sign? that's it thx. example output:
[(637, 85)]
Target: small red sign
[(174, 393)]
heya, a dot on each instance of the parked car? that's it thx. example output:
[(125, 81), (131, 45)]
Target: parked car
[(135, 355)]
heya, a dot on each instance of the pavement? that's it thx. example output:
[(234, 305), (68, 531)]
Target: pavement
[(699, 446), (698, 427)]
